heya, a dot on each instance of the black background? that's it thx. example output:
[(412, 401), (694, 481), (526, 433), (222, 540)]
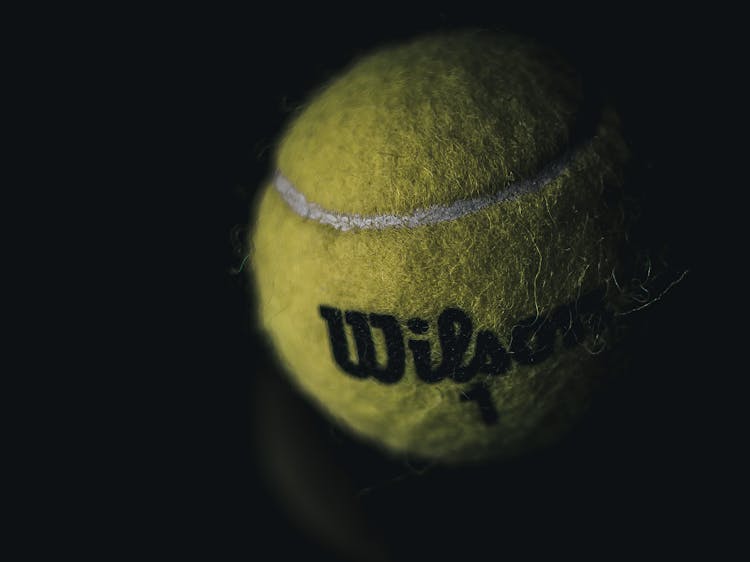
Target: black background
[(193, 467)]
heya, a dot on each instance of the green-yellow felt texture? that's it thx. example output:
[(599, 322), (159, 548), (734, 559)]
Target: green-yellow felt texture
[(440, 120)]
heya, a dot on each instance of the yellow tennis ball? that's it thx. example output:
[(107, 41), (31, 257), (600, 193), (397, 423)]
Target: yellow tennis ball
[(433, 254)]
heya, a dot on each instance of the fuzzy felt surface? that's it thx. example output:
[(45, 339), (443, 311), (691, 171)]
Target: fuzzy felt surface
[(441, 118), (434, 121)]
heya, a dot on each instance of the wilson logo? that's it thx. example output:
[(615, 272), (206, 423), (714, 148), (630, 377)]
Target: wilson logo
[(531, 341)]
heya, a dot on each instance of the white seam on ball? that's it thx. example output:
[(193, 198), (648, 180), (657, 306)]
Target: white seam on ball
[(429, 215)]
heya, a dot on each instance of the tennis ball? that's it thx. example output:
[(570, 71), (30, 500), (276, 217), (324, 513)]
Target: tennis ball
[(433, 255)]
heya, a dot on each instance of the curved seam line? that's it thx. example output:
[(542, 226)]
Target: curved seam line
[(428, 215)]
